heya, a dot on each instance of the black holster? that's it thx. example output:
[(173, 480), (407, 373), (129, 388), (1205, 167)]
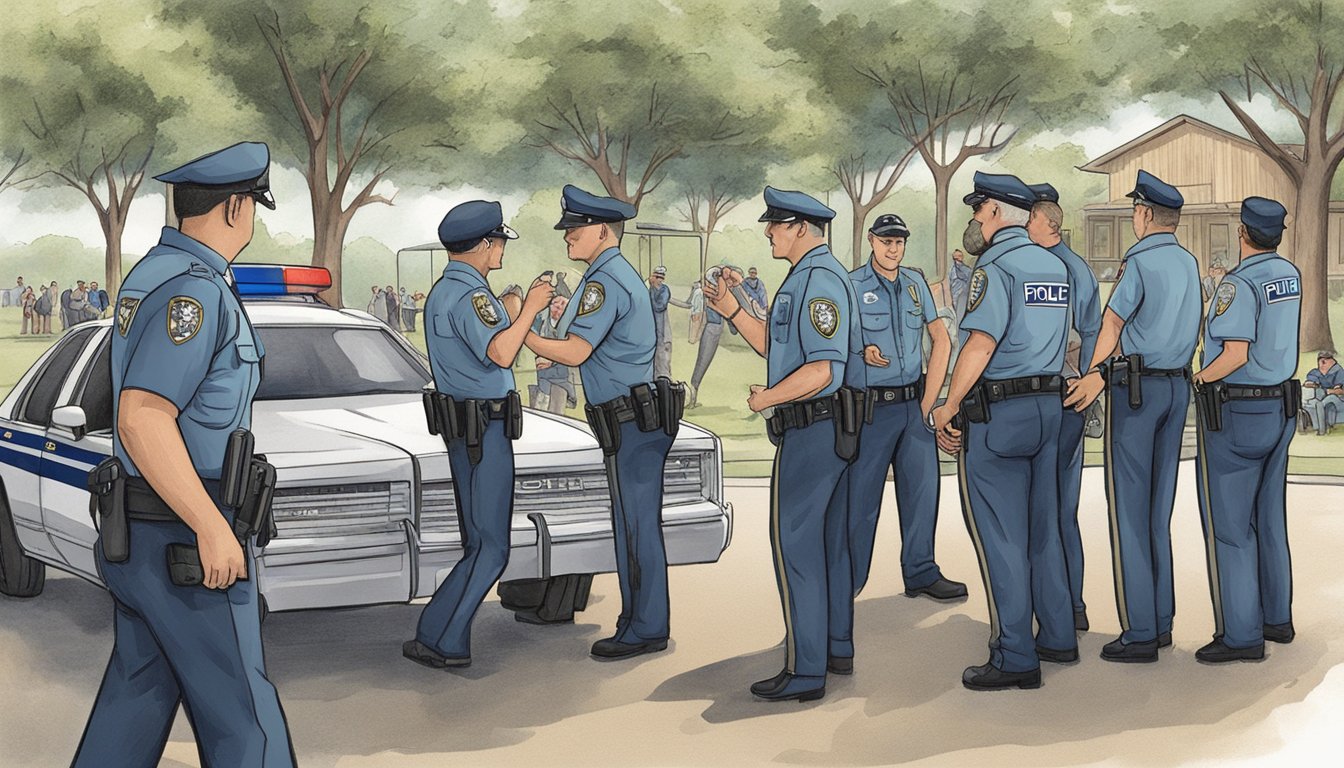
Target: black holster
[(474, 423), (645, 403), (107, 507), (1209, 399), (247, 484), (605, 428), (1134, 377), (1292, 398), (513, 415), (849, 416), (975, 408), (671, 403), (429, 400)]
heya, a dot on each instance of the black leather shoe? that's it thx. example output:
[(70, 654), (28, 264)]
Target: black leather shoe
[(1080, 621), (987, 677), (530, 616), (1218, 653), (942, 589), (787, 687), (1053, 656), (840, 665), (1130, 653), (1280, 633), (611, 649), (1164, 640), (424, 655)]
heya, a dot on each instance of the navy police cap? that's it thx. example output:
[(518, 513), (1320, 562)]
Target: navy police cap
[(470, 221), (1150, 189), (783, 205), (1045, 193), (889, 225), (580, 209), (1263, 216), (1003, 187), (242, 168)]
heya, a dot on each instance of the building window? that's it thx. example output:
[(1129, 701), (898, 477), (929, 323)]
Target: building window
[(1217, 244), (1099, 241)]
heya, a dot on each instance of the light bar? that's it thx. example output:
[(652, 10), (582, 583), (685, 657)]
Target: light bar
[(279, 280)]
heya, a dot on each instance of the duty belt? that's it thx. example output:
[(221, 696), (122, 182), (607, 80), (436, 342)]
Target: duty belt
[(622, 408), (997, 390), (1270, 392), (882, 395), (798, 415), (144, 503)]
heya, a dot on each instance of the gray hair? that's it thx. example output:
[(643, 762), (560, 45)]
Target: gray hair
[(1013, 216), (815, 230)]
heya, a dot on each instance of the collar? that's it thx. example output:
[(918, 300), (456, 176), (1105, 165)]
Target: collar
[(614, 252), (1004, 240), (173, 238), (871, 273), (806, 261), (1254, 259), (1152, 241), (465, 272)]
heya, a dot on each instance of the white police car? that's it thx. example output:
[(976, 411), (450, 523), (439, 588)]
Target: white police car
[(364, 501)]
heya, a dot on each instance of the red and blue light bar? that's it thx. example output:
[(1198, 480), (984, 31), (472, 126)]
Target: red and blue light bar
[(279, 280)]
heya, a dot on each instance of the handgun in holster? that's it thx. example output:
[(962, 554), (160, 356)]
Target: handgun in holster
[(1292, 398), (107, 506), (671, 403), (1209, 400), (474, 425), (1134, 378), (513, 415), (428, 398), (772, 432), (976, 405), (645, 403), (848, 419), (605, 428)]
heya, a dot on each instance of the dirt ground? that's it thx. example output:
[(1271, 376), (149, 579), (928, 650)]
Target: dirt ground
[(534, 697)]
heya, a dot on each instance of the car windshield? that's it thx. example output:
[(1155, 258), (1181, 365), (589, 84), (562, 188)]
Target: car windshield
[(317, 361)]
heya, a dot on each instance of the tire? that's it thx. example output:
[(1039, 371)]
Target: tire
[(20, 575), (552, 600)]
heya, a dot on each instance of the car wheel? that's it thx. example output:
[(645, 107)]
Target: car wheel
[(20, 575), (547, 601)]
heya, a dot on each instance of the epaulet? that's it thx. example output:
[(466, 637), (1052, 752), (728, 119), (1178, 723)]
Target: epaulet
[(917, 271)]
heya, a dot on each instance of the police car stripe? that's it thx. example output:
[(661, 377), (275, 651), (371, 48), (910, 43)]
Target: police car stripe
[(38, 442), (1117, 562), (974, 532), (26, 462), (67, 464), (780, 574), (1210, 542)]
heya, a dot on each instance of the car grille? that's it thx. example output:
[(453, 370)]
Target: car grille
[(580, 496), (341, 510)]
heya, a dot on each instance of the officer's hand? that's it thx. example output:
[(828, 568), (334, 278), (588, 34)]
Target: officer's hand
[(758, 400), (513, 305), (222, 558), (720, 298), (538, 296), (732, 278), (1084, 391), (947, 436), (873, 356)]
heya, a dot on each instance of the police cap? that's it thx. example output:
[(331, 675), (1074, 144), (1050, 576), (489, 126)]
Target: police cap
[(787, 206), (1152, 190), (468, 222), (1002, 187), (889, 225), (580, 209), (243, 168), (1263, 217)]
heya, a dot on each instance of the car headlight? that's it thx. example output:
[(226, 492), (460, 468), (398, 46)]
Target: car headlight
[(339, 510)]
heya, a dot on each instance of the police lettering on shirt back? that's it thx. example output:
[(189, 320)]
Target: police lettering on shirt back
[(1260, 302)]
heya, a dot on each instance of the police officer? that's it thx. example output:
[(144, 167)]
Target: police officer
[(813, 346), (472, 345), (177, 312), (609, 335), (660, 296), (1006, 391), (1250, 344), (1047, 218), (895, 309), (1153, 316)]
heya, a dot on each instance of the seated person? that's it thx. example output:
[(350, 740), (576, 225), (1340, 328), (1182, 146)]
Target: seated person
[(554, 390), (1324, 396)]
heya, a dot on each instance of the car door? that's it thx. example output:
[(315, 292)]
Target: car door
[(66, 461), (23, 441)]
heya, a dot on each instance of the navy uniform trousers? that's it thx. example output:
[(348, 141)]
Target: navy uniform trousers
[(190, 644), (1242, 473), (484, 495), (1143, 448), (1008, 469), (1071, 427), (898, 439), (808, 541), (635, 479)]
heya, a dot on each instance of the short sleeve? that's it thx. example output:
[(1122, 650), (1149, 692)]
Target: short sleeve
[(477, 321), (599, 305), (824, 321), (925, 299), (1234, 311), (988, 304), (173, 337), (1128, 293)]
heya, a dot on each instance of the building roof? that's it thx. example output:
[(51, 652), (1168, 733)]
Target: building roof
[(1185, 122)]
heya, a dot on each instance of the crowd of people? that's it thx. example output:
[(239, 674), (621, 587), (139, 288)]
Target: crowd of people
[(72, 306), (397, 309)]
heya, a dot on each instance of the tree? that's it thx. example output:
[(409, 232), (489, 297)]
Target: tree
[(713, 181), (370, 89), (21, 159), (1291, 51)]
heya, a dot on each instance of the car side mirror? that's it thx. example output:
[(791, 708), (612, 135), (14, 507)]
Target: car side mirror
[(71, 417)]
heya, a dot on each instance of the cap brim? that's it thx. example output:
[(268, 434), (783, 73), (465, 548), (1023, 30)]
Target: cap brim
[(890, 232), (779, 215), (505, 232), (572, 220), (264, 197), (975, 198)]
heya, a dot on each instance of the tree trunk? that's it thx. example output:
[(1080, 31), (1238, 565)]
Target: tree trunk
[(942, 180), (860, 212), (112, 256), (1311, 253), (329, 227)]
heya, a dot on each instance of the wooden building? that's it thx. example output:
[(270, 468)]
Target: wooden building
[(1214, 170)]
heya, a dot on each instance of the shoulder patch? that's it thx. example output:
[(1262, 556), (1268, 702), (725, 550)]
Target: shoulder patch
[(1227, 291), (979, 281), (185, 318), (485, 308), (126, 313), (825, 317), (591, 300)]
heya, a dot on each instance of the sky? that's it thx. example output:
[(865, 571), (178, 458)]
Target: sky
[(415, 216)]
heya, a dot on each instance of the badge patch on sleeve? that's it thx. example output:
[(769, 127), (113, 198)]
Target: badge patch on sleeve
[(825, 317), (1226, 293), (126, 313), (979, 281), (485, 309), (184, 318), (591, 300), (1283, 289)]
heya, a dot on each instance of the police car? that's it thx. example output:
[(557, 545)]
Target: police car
[(364, 501)]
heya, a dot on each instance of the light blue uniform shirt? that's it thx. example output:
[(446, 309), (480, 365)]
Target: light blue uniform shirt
[(612, 312), (1084, 301), (1019, 296), (462, 317), (815, 317), (181, 333), (893, 315), (1159, 299), (1261, 302)]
